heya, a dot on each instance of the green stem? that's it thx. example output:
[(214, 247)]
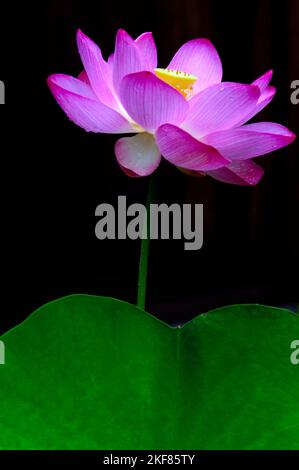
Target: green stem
[(145, 244)]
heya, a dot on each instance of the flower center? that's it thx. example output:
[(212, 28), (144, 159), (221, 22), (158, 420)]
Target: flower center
[(182, 81)]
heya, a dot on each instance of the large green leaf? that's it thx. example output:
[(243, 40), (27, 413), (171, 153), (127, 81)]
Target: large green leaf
[(97, 373)]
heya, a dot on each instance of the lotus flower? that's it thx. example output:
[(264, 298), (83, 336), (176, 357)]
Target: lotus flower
[(184, 112)]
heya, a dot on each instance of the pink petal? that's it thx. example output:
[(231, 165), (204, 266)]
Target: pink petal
[(127, 58), (98, 71), (271, 128), (220, 107), (84, 77), (250, 141), (264, 99), (111, 60), (80, 104), (148, 49), (74, 85), (200, 58), (181, 149), (266, 96), (129, 173), (263, 81), (151, 102), (138, 155), (244, 173)]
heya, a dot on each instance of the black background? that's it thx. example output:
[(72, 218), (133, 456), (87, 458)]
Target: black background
[(53, 174)]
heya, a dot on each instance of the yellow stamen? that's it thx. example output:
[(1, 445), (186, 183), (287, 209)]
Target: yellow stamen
[(182, 81)]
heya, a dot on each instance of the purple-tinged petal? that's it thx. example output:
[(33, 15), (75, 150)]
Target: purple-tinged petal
[(263, 101), (98, 71), (250, 141), (263, 81), (270, 128), (129, 173), (181, 149), (243, 173), (220, 107), (151, 102), (74, 85), (148, 49), (196, 174), (127, 58), (84, 77), (138, 155), (82, 107), (111, 60), (266, 97), (200, 58)]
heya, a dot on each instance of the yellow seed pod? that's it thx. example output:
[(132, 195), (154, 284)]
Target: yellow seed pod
[(182, 81)]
